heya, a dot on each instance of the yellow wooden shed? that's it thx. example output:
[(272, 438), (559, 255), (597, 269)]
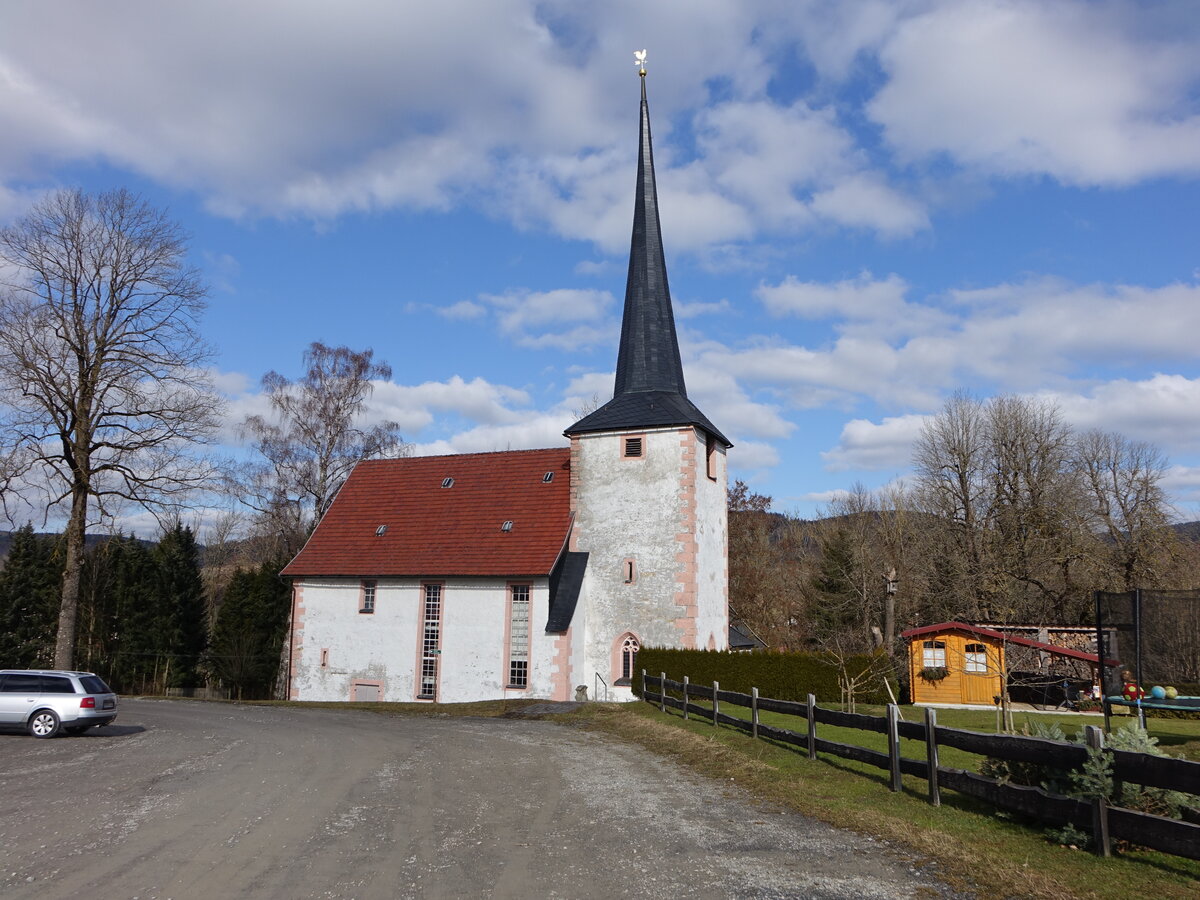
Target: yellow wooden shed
[(959, 664)]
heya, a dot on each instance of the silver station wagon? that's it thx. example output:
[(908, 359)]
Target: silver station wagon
[(46, 702)]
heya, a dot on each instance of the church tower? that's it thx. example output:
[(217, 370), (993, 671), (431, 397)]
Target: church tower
[(648, 482)]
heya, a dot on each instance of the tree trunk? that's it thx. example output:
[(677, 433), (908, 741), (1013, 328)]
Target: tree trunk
[(76, 535)]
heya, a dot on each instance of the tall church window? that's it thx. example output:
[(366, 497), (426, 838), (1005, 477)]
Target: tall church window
[(518, 636), (629, 652), (431, 641)]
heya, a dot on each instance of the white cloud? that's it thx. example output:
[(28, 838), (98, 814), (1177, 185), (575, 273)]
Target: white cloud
[(548, 318), (867, 445), (753, 456), (864, 201), (684, 310), (462, 310), (860, 298), (1087, 93)]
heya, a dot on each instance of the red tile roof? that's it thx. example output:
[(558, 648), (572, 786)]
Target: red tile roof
[(1009, 638), (434, 530)]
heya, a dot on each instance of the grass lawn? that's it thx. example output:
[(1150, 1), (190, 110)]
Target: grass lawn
[(973, 845)]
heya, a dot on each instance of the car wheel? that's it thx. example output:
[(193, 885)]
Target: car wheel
[(76, 729), (44, 724)]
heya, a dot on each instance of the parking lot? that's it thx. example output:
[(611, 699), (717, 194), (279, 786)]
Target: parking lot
[(184, 799)]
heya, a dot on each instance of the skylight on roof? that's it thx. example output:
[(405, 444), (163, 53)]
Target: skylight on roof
[(381, 531), (507, 526), (547, 478), (447, 482)]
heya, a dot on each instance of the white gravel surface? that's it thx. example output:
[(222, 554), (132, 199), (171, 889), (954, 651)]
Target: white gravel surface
[(194, 800)]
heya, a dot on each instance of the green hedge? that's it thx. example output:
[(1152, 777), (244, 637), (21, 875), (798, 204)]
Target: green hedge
[(781, 676)]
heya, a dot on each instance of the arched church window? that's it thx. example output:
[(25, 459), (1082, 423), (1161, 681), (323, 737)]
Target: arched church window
[(629, 652)]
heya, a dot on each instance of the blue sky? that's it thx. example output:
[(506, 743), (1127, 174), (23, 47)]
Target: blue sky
[(866, 206)]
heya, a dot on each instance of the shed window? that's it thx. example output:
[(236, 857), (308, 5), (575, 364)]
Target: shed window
[(933, 653), (976, 658)]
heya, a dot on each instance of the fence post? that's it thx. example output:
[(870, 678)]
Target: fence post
[(644, 686), (754, 713), (812, 726), (685, 699), (662, 692), (893, 736), (1095, 741), (931, 756), (716, 703)]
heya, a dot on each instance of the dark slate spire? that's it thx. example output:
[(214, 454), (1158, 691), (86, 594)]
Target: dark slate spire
[(649, 356), (649, 389)]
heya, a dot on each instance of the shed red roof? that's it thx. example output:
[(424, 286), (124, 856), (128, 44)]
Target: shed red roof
[(1009, 638), (455, 530)]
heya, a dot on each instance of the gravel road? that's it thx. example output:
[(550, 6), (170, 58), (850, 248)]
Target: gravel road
[(194, 800)]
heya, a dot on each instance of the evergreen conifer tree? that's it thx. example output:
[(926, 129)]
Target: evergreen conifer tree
[(30, 584)]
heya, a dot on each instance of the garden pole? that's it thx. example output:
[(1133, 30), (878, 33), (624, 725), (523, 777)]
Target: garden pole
[(754, 713), (1095, 740)]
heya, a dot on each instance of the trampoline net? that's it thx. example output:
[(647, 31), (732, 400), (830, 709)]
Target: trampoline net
[(1153, 634)]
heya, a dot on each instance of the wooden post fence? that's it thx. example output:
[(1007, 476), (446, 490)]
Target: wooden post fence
[(754, 713), (685, 698), (716, 704), (812, 726), (893, 739), (931, 756), (662, 697)]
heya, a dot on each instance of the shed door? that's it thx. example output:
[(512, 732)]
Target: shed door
[(981, 673)]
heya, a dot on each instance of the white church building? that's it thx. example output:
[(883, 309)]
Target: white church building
[(528, 573)]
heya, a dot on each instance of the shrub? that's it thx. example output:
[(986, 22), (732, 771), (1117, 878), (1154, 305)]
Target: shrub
[(781, 676)]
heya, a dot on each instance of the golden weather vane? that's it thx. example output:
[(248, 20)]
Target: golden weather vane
[(639, 60)]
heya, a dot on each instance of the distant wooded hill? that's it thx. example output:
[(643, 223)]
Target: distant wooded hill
[(93, 540)]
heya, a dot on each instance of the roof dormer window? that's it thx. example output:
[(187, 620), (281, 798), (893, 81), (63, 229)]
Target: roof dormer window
[(447, 482), (507, 526), (381, 531), (547, 478)]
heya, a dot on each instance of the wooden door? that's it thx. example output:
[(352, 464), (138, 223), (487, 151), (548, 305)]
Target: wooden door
[(980, 672)]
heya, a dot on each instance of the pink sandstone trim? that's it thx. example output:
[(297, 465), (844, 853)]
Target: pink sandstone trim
[(365, 681), (297, 637), (573, 541), (685, 542), (560, 678)]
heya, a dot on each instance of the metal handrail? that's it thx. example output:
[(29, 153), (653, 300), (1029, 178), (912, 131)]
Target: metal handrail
[(600, 681)]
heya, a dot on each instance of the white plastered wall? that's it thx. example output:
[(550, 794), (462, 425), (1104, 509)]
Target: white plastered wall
[(645, 509), (383, 647)]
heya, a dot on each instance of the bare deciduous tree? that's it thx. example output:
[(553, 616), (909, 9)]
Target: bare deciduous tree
[(312, 441), (101, 365)]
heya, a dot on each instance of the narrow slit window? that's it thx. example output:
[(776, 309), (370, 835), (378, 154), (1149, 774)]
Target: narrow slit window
[(324, 658), (633, 447), (629, 571), (710, 456), (366, 598)]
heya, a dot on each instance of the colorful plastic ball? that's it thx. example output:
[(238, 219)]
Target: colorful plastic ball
[(1172, 693), (1158, 692)]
